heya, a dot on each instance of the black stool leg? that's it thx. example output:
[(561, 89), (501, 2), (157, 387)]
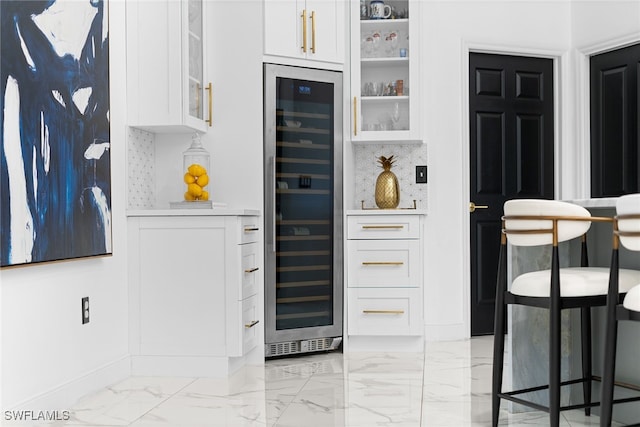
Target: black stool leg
[(498, 336), (609, 365), (587, 375), (554, 342)]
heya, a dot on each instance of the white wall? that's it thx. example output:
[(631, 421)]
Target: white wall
[(449, 30), (563, 30), (44, 346)]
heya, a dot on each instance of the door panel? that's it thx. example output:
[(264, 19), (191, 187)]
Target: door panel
[(615, 136), (511, 156)]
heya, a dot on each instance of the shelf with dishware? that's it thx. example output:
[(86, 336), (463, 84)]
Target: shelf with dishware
[(383, 72)]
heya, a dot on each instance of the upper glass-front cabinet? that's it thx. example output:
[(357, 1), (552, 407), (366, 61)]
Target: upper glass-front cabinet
[(384, 71), (196, 87), (167, 83)]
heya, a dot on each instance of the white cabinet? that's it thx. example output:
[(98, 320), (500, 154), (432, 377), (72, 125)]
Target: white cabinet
[(384, 276), (311, 29), (195, 292), (385, 82), (167, 86)]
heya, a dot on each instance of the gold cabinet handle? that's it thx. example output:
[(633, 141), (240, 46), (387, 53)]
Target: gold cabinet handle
[(473, 207), (382, 227), (210, 89), (382, 263), (304, 30), (355, 115), (252, 270), (252, 324), (313, 31), (250, 229), (383, 311)]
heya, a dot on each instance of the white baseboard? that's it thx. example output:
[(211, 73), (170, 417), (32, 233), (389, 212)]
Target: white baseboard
[(184, 366), (384, 344), (451, 332), (66, 395)]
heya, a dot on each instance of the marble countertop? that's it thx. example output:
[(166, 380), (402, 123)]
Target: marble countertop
[(386, 212), (195, 212)]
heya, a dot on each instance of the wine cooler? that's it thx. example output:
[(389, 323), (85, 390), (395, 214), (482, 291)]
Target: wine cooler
[(303, 210)]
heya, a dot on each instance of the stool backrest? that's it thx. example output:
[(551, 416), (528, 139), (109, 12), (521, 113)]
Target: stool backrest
[(629, 227), (526, 208)]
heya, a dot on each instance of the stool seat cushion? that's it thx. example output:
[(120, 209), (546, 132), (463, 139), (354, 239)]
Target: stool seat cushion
[(574, 282), (632, 299)]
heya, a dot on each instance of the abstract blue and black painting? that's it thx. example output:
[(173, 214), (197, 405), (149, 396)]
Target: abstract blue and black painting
[(55, 166)]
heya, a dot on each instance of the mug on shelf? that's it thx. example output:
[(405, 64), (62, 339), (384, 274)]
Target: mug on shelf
[(379, 10)]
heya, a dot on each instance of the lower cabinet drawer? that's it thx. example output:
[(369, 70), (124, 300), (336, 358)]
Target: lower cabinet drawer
[(384, 263), (377, 311), (250, 270), (249, 324), (243, 328)]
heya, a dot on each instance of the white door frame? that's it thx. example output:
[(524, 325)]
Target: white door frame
[(560, 92)]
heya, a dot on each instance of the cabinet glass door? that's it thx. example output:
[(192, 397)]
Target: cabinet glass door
[(196, 82), (304, 203)]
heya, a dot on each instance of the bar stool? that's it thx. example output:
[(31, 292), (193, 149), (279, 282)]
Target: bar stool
[(529, 222), (627, 232)]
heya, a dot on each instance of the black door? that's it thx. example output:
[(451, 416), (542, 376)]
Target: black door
[(510, 156), (615, 137)]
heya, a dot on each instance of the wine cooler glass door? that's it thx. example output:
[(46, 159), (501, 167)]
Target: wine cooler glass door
[(303, 291)]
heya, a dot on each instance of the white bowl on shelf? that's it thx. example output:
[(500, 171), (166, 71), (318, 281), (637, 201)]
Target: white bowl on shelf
[(293, 123)]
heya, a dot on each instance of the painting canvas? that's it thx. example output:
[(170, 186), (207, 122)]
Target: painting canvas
[(55, 172)]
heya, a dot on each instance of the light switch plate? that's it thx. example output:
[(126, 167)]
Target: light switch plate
[(421, 174)]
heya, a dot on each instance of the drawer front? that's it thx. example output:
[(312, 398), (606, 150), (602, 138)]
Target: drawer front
[(250, 227), (250, 270), (384, 263), (385, 311), (383, 227), (250, 328)]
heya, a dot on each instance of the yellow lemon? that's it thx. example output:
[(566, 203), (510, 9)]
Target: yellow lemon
[(188, 196), (203, 180), (196, 170), (189, 179), (205, 195), (195, 190)]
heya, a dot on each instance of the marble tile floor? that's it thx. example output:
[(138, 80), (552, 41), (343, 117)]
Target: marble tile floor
[(447, 385)]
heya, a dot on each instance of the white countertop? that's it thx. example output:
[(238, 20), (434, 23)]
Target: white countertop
[(387, 212), (195, 212), (604, 202)]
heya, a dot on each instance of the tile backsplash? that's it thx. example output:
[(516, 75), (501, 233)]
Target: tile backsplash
[(367, 170), (141, 169)]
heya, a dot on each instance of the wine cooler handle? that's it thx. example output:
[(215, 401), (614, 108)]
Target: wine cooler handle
[(273, 200)]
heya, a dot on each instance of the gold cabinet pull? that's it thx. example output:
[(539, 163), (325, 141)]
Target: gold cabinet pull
[(383, 311), (355, 115), (252, 324), (252, 270), (382, 227), (250, 229), (473, 207), (304, 30), (210, 89), (313, 31), (382, 263)]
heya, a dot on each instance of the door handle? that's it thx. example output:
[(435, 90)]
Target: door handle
[(473, 207)]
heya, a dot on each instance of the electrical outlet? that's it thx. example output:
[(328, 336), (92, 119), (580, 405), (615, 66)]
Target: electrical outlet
[(421, 174), (85, 310)]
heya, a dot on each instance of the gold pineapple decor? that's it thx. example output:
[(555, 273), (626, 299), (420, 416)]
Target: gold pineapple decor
[(387, 187)]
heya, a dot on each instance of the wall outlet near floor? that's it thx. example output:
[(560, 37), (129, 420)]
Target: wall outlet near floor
[(85, 310), (421, 174)]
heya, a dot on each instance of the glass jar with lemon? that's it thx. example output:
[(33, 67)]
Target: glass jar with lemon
[(196, 167)]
